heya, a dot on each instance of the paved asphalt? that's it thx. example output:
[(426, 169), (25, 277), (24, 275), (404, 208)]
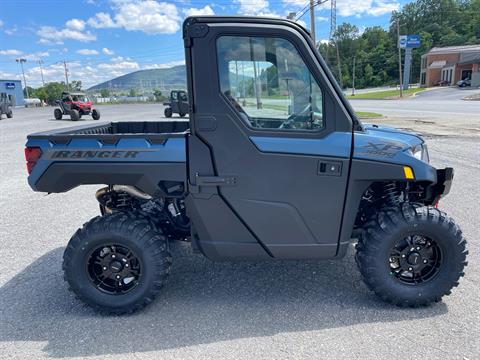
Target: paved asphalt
[(437, 104), (243, 310)]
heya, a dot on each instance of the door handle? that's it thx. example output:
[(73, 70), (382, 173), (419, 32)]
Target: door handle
[(215, 180)]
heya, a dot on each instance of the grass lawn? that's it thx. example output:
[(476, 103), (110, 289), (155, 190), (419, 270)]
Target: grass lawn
[(386, 94), (368, 115)]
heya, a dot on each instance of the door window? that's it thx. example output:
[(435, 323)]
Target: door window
[(268, 84)]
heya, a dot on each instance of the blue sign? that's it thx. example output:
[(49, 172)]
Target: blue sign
[(10, 86), (413, 41)]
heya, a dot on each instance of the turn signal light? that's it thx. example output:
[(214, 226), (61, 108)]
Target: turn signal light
[(32, 154), (408, 172)]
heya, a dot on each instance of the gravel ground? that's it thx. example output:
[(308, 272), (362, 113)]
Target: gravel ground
[(234, 310)]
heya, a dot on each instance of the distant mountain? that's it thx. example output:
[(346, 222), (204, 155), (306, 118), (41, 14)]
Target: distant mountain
[(169, 78), (151, 79)]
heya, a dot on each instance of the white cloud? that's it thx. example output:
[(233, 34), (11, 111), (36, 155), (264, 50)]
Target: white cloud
[(149, 16), (207, 10), (11, 30), (323, 18), (249, 7), (366, 7), (11, 52), (122, 66), (75, 24), (107, 51), (52, 35), (165, 65), (87, 52), (1, 23), (36, 56), (347, 8), (101, 20)]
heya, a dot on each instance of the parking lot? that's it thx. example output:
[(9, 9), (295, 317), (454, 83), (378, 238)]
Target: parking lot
[(234, 310)]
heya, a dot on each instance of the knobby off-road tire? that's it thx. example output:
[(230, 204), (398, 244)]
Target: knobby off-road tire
[(58, 114), (168, 112), (433, 249), (74, 115), (95, 114), (139, 248)]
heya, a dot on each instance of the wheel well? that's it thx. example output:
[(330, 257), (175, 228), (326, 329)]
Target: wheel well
[(390, 193)]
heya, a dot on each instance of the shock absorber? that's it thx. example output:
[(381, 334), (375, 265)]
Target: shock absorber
[(391, 194)]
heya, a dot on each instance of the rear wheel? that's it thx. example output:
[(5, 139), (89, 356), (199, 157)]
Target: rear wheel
[(117, 263), (95, 114), (168, 112), (9, 113), (412, 255), (58, 114), (182, 114), (74, 115)]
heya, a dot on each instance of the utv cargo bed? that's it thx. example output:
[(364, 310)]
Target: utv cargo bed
[(62, 159)]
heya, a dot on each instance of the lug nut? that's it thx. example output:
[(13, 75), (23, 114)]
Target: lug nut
[(126, 265), (425, 261), (113, 256), (118, 276), (403, 255), (104, 268), (418, 247), (410, 269)]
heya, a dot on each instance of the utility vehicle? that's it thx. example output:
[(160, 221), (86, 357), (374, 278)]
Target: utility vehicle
[(5, 105), (272, 164), (177, 104), (75, 104)]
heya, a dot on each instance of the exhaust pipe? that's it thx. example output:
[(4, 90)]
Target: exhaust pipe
[(131, 190)]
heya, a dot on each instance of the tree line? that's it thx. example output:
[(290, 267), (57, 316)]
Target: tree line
[(375, 52)]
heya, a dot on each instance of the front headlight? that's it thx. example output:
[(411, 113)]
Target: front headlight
[(420, 152)]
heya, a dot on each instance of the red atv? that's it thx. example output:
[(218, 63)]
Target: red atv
[(75, 105)]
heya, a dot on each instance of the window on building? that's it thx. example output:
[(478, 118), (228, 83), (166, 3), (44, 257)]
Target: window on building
[(267, 82)]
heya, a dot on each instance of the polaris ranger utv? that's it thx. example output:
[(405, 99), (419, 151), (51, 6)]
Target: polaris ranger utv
[(5, 105), (75, 105), (272, 164), (178, 104)]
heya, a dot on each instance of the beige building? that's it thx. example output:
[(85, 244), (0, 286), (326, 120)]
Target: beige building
[(447, 65)]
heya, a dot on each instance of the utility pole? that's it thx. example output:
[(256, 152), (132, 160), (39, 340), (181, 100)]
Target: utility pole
[(40, 62), (339, 65), (353, 76), (399, 57), (66, 75), (312, 21), (21, 61)]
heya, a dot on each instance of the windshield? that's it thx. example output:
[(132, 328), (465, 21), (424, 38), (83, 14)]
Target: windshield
[(80, 97)]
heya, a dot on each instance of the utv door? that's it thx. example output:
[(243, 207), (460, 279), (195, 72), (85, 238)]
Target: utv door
[(271, 141)]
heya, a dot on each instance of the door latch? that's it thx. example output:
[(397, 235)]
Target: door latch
[(331, 168)]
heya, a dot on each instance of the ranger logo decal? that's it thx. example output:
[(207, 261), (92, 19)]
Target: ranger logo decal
[(94, 154)]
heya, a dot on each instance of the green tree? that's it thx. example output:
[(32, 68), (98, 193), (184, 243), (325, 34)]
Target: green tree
[(132, 93), (158, 95), (75, 85), (104, 93)]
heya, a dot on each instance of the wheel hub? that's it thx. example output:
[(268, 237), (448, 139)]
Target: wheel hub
[(114, 269), (415, 259)]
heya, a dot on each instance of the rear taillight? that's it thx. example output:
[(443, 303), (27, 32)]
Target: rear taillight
[(32, 154)]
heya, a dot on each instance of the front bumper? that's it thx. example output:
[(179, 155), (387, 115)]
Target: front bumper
[(442, 186)]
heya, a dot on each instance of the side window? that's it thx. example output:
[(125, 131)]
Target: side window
[(269, 84)]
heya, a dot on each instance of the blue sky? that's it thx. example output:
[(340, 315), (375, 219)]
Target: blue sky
[(102, 39)]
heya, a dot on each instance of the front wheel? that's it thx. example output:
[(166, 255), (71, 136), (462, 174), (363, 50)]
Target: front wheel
[(95, 114), (168, 112), (9, 113), (74, 115), (117, 263), (58, 114), (412, 255)]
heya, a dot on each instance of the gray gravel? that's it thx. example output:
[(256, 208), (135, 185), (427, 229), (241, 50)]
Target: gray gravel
[(253, 310)]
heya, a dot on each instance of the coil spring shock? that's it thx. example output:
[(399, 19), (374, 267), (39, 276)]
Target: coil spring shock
[(391, 196)]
